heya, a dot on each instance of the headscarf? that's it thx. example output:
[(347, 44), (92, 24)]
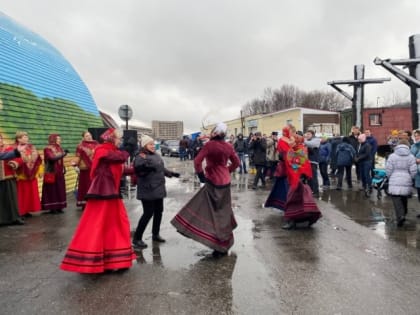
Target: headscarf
[(109, 135), (286, 131)]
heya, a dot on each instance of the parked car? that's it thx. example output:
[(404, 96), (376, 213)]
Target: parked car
[(169, 147)]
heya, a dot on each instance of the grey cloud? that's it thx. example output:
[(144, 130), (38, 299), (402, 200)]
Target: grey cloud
[(181, 60)]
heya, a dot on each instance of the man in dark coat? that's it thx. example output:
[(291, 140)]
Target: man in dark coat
[(241, 148), (374, 148), (363, 160), (355, 132), (259, 147)]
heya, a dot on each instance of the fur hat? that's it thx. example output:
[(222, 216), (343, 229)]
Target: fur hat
[(145, 139)]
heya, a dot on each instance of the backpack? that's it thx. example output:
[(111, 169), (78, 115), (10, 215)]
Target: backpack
[(344, 156)]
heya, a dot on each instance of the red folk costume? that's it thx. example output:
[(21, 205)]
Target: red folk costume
[(102, 239), (300, 205), (29, 167), (297, 162), (54, 194), (84, 152)]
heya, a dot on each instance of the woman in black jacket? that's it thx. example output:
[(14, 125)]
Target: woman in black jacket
[(151, 190)]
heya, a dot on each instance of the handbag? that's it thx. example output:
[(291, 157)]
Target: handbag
[(280, 169), (49, 178)]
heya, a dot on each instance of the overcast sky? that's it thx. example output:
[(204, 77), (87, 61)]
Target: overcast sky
[(202, 60)]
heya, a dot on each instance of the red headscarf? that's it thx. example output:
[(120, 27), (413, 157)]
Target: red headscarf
[(286, 131), (109, 135)]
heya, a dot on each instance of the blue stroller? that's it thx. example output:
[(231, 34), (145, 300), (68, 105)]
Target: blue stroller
[(380, 181)]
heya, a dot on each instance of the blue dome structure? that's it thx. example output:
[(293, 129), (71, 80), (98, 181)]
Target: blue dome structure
[(40, 92)]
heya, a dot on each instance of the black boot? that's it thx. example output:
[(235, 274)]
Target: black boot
[(158, 238), (400, 221), (217, 254), (19, 221), (139, 244)]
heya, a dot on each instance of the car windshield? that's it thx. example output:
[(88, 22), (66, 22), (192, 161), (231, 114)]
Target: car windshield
[(173, 143)]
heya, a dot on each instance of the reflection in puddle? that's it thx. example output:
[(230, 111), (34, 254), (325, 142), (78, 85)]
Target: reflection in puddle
[(378, 215)]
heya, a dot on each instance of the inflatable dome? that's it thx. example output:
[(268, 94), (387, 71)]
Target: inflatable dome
[(40, 92)]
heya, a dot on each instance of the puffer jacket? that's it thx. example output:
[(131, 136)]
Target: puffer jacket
[(324, 152), (401, 168), (345, 154), (151, 172)]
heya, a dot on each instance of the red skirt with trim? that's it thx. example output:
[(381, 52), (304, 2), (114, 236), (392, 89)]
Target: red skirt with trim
[(28, 196), (102, 239), (301, 205)]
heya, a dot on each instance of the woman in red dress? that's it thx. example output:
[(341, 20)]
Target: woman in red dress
[(83, 164), (289, 192), (54, 192), (29, 168), (300, 205), (102, 239)]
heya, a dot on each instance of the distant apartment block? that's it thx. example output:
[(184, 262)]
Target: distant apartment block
[(166, 130)]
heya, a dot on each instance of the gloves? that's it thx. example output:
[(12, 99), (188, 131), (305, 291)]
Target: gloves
[(175, 174), (201, 177)]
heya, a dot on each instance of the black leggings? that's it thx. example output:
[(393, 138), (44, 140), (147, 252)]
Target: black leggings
[(151, 208)]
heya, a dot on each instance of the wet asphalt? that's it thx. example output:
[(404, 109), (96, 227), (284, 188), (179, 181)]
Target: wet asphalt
[(352, 261)]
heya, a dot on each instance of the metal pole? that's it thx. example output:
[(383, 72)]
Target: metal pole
[(414, 70)]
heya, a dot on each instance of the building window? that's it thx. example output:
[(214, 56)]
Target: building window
[(375, 120)]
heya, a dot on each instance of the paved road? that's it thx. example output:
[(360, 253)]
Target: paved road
[(351, 262)]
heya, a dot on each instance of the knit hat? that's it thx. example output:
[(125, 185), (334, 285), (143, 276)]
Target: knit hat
[(145, 139)]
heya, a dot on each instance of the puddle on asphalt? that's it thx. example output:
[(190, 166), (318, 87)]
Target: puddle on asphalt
[(240, 273), (377, 215)]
